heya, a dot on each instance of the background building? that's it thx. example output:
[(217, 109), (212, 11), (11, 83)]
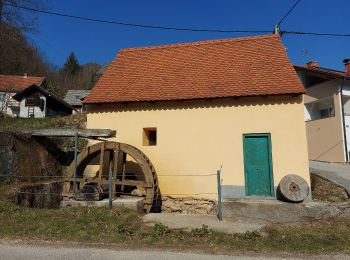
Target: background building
[(9, 86), (327, 111)]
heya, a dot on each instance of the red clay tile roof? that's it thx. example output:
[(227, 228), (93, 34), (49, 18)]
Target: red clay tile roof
[(323, 71), (247, 66), (11, 83)]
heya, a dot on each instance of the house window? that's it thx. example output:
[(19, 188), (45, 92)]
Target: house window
[(150, 136), (320, 109), (327, 112), (32, 100), (42, 104)]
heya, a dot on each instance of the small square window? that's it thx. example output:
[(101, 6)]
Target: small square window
[(327, 112), (150, 136)]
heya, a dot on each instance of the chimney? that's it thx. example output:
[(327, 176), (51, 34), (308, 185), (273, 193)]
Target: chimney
[(313, 64), (347, 66), (25, 75)]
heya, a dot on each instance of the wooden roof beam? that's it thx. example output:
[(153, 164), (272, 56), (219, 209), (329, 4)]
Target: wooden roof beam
[(70, 132)]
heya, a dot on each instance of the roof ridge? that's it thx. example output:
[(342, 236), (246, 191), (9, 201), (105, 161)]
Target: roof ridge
[(196, 43), (322, 68)]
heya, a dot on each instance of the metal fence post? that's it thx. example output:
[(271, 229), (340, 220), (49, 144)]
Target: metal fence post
[(75, 163), (218, 173), (110, 189)]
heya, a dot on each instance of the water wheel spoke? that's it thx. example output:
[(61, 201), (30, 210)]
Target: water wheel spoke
[(113, 157)]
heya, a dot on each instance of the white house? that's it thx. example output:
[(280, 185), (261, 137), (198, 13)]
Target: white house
[(9, 86), (36, 101)]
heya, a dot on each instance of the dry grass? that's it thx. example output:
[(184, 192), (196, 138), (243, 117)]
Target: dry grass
[(16, 124), (323, 190), (124, 228)]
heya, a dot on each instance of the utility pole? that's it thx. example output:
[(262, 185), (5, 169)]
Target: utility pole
[(277, 30)]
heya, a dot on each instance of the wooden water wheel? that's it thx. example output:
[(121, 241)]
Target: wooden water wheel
[(113, 158)]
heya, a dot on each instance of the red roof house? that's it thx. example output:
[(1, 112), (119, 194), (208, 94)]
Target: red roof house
[(237, 67), (194, 107), (11, 83), (327, 111), (9, 86)]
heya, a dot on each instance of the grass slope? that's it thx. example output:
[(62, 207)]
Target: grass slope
[(16, 124)]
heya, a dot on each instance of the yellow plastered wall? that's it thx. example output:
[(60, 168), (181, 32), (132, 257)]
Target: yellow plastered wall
[(198, 137)]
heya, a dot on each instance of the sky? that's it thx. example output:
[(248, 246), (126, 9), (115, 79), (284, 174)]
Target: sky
[(95, 42)]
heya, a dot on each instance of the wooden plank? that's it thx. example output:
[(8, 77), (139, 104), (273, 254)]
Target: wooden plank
[(123, 171), (131, 183), (106, 163), (116, 182), (59, 132), (102, 155), (115, 166)]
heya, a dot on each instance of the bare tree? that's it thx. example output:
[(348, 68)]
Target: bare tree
[(6, 100), (18, 18), (17, 54)]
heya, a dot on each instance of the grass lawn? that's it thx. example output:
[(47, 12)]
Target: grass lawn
[(122, 227)]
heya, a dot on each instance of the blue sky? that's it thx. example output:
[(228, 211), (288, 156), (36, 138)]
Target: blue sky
[(94, 42)]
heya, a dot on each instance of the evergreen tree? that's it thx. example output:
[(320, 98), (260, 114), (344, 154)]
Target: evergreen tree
[(71, 67)]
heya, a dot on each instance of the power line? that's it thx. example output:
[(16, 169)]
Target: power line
[(134, 24), (316, 34), (289, 11), (182, 29)]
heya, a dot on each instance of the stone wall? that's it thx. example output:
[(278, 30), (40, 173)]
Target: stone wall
[(23, 155), (30, 167), (188, 205), (37, 195)]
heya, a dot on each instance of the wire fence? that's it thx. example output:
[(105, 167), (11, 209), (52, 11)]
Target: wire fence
[(38, 186), (127, 175), (37, 180)]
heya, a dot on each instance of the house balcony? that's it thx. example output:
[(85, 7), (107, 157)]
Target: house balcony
[(13, 103), (320, 109)]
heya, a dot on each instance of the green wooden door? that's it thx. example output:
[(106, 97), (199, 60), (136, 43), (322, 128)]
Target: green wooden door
[(258, 165)]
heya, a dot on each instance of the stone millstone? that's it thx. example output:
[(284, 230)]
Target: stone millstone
[(293, 188)]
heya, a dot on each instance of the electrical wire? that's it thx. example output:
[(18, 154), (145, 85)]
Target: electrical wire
[(134, 24), (317, 34), (289, 11), (181, 29)]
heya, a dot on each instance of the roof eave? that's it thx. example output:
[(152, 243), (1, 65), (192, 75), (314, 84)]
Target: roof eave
[(190, 99), (323, 73)]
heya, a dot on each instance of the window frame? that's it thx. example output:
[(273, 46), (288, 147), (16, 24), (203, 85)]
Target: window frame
[(149, 136)]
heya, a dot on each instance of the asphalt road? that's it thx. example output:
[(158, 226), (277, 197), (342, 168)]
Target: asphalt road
[(31, 252)]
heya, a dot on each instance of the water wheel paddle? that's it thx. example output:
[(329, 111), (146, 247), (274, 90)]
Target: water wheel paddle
[(113, 158)]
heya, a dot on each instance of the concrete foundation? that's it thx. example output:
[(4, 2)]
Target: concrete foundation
[(133, 203), (275, 211), (189, 222)]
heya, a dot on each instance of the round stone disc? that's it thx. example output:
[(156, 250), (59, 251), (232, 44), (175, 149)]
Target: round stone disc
[(294, 188)]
